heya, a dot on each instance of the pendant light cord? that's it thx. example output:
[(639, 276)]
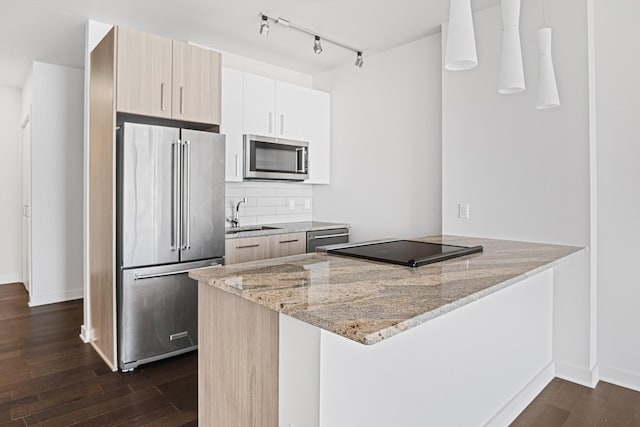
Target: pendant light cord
[(544, 12)]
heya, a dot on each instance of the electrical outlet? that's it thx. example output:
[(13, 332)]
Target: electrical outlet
[(307, 204), (463, 210), (292, 204)]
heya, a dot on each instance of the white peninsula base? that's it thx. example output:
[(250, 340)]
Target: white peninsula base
[(480, 364)]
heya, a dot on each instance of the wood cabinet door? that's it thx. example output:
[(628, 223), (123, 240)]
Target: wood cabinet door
[(258, 105), (245, 249), (196, 84), (231, 125), (143, 73), (287, 244)]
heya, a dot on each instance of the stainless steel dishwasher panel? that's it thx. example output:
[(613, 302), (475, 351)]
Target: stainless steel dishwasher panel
[(326, 237), (158, 312)]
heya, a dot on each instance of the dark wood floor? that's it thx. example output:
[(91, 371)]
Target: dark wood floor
[(49, 377), (566, 404)]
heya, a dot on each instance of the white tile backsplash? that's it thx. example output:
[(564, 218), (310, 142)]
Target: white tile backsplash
[(268, 202)]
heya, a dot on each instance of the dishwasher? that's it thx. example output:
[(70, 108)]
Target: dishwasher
[(326, 237)]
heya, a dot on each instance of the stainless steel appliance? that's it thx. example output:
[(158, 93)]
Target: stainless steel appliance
[(275, 158), (170, 220), (409, 253), (326, 237)]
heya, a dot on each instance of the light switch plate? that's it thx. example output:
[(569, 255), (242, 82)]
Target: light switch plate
[(463, 210), (292, 204)]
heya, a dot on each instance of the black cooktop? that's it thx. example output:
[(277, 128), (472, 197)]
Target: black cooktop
[(406, 252)]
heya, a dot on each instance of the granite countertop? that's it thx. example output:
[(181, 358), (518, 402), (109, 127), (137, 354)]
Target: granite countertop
[(286, 227), (368, 301)]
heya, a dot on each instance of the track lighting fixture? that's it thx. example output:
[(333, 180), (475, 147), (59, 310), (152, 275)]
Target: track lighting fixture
[(317, 45), (264, 25)]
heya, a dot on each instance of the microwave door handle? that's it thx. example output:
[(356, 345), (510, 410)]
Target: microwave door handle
[(302, 160)]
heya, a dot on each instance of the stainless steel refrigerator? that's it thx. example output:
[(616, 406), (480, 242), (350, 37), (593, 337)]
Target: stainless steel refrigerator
[(170, 220)]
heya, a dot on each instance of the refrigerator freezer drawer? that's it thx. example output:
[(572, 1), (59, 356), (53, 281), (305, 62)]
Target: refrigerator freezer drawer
[(158, 312)]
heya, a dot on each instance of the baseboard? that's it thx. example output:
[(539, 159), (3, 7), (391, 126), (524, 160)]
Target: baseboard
[(626, 379), (35, 300), (523, 398), (85, 334), (7, 279), (577, 374)]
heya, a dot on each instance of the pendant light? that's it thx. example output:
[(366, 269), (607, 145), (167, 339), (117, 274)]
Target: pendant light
[(511, 68), (547, 86), (461, 42)]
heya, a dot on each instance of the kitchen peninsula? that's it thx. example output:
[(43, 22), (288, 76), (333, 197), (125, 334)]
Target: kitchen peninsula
[(325, 340)]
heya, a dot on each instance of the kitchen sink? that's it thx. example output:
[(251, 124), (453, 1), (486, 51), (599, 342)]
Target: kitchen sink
[(249, 228)]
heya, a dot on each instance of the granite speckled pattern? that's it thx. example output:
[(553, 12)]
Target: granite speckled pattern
[(288, 227), (369, 301)]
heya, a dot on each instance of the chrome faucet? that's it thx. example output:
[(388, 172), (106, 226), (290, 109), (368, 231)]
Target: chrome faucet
[(235, 220)]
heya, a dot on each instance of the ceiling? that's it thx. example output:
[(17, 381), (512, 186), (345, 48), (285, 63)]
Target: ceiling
[(53, 30)]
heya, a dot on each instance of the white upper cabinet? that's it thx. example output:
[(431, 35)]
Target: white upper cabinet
[(262, 106), (319, 137), (293, 111), (259, 105), (232, 84)]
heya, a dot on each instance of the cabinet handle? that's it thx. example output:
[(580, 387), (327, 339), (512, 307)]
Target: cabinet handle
[(270, 122), (181, 100), (329, 236), (247, 246), (289, 241), (162, 106), (237, 165), (281, 124)]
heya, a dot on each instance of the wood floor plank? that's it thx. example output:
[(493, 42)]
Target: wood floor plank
[(148, 417), (178, 419), (567, 404), (48, 376)]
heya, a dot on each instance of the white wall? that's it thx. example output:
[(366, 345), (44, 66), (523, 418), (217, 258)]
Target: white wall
[(385, 144), (525, 172), (10, 185), (56, 182), (618, 109)]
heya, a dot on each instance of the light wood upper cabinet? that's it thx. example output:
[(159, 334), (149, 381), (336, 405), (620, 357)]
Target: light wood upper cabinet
[(159, 77), (143, 73), (196, 84)]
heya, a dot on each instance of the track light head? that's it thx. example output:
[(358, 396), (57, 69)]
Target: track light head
[(359, 60), (264, 25), (317, 47)]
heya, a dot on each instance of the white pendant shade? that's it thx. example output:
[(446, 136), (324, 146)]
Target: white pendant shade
[(461, 42), (547, 87), (511, 68)]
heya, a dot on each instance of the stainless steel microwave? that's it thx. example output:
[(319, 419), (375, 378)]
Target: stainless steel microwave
[(275, 158)]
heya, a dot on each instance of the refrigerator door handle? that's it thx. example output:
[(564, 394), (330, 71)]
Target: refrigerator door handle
[(186, 195), (175, 168), (171, 273)]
